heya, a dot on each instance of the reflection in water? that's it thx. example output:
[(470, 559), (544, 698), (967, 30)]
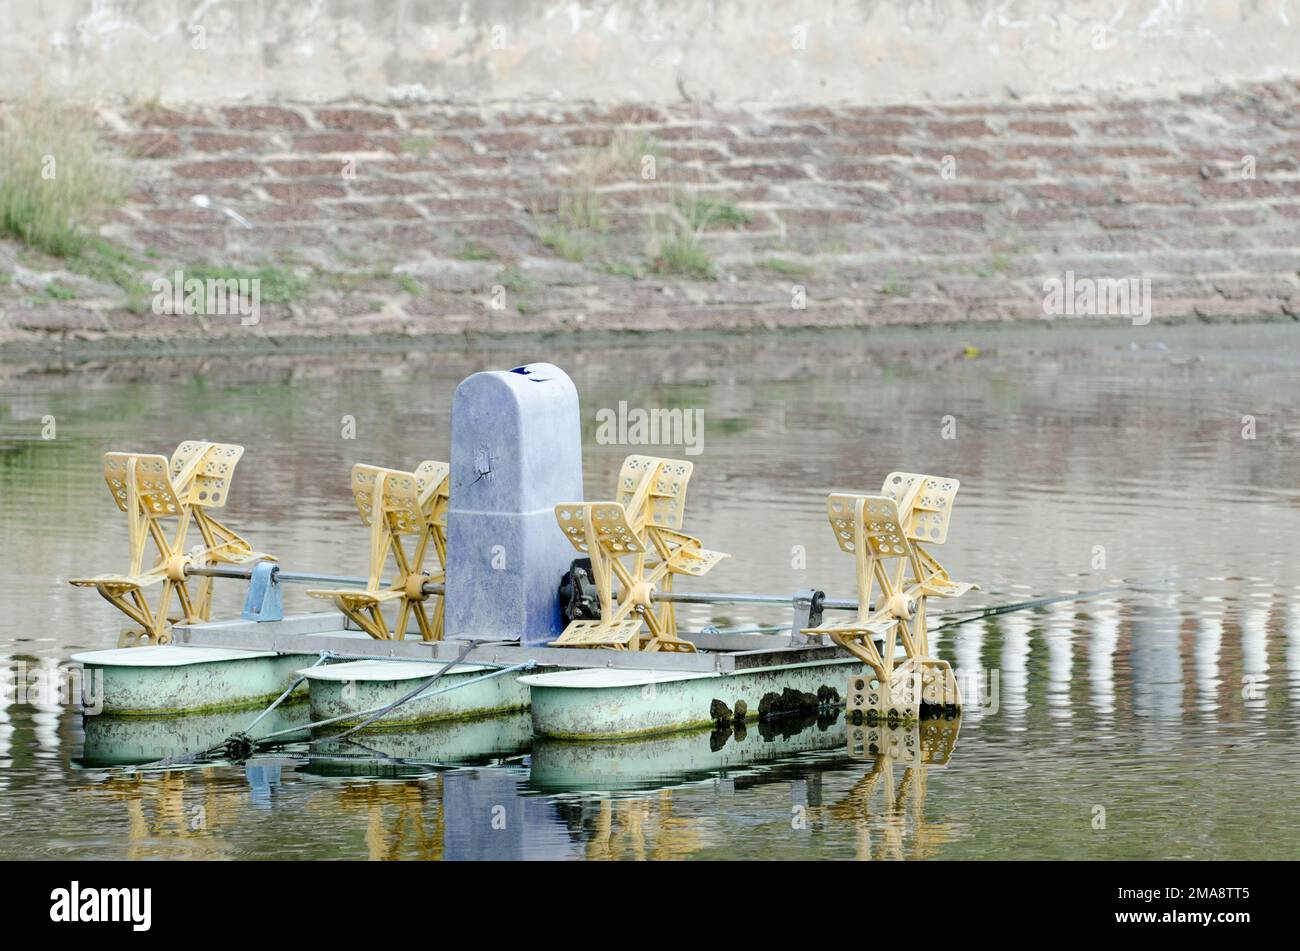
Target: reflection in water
[(489, 813), (1014, 677), (680, 758), (1058, 631), (1292, 651), (1209, 644), (972, 676), (1153, 700), (1254, 659), (122, 741), (46, 709), (263, 779), (163, 823), (915, 748), (7, 689), (402, 752), (488, 817), (641, 829), (1156, 657), (403, 820), (1104, 638)]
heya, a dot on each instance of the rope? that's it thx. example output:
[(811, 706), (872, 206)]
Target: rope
[(324, 656), (465, 649), (526, 665), (953, 618), (239, 746)]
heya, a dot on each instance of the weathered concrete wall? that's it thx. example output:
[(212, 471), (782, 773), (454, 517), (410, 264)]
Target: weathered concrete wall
[(648, 51)]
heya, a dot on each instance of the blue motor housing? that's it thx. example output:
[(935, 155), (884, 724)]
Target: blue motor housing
[(516, 453)]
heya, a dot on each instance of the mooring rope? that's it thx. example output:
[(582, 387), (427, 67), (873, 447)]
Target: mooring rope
[(955, 618), (526, 665), (324, 656), (465, 649), (239, 746)]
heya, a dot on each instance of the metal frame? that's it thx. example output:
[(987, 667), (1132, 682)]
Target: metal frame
[(313, 633)]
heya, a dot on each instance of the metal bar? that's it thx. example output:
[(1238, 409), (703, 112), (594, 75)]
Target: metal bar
[(840, 604), (947, 619), (675, 597), (294, 577), (715, 597), (291, 577), (313, 622), (727, 641), (768, 629), (783, 656), (723, 597)]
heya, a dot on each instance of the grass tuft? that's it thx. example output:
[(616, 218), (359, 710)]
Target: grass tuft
[(629, 269), (786, 268), (583, 209), (620, 158), (682, 253), (421, 146), (513, 279), (568, 245), (472, 251), (279, 286), (896, 286), (702, 212), (101, 260), (57, 180)]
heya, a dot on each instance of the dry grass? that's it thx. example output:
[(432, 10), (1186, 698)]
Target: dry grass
[(680, 252), (619, 159), (57, 178), (582, 207)]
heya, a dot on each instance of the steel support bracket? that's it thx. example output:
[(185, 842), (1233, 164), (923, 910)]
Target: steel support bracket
[(265, 601), (808, 605)]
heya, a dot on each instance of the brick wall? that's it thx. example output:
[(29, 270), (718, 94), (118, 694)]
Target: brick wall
[(409, 219)]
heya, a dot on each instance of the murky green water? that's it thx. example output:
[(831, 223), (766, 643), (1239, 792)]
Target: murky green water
[(1155, 722)]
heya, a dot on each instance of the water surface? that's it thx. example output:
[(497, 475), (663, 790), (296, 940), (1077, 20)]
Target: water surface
[(1157, 721)]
